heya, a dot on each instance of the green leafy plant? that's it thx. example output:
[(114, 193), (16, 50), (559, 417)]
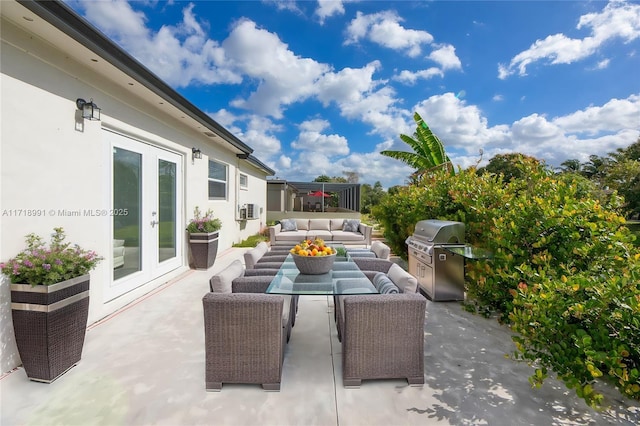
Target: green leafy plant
[(341, 252), (42, 265), (203, 223), (565, 275), (428, 151)]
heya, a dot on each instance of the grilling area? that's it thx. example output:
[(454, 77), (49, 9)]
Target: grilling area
[(145, 365), (437, 253)]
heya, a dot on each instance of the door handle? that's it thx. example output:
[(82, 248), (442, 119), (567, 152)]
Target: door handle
[(154, 223)]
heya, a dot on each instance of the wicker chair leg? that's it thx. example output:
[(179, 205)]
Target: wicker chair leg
[(416, 381), (293, 310), (272, 387), (214, 386), (351, 383)]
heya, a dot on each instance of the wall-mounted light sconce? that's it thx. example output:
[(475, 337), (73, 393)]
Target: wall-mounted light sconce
[(196, 153), (90, 111)]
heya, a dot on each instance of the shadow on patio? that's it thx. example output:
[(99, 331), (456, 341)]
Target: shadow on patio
[(145, 365)]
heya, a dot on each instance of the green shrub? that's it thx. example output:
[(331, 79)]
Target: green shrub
[(252, 241), (565, 274)]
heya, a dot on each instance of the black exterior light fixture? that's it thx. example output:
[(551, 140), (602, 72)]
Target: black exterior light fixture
[(196, 153), (90, 111)]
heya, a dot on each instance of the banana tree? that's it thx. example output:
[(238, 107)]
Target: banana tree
[(428, 151)]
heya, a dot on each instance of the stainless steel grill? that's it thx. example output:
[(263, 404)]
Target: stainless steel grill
[(439, 272)]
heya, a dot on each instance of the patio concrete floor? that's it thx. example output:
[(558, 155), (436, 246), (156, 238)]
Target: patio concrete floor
[(144, 365)]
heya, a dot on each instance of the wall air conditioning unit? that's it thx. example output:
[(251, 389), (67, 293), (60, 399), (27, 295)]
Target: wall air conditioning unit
[(253, 211), (242, 214)]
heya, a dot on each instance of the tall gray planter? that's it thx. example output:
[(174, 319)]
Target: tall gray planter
[(50, 322), (204, 249)]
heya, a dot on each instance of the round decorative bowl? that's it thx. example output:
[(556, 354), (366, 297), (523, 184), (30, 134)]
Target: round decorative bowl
[(314, 265)]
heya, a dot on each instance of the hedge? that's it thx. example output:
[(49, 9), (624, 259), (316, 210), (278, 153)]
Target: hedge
[(565, 275)]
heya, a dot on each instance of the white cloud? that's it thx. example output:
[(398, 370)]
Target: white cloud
[(498, 98), (618, 20), (616, 115), (329, 8), (464, 130), (290, 5), (312, 139), (283, 163), (181, 55), (458, 125), (411, 77), (384, 28), (445, 56), (260, 136), (283, 78), (347, 85)]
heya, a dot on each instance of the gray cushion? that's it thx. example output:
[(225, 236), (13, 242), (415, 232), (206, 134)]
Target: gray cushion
[(350, 225), (347, 236), (221, 282), (384, 285), (381, 250), (302, 223), (288, 225), (251, 257), (406, 282), (336, 224)]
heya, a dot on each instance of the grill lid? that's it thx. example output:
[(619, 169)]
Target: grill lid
[(439, 231)]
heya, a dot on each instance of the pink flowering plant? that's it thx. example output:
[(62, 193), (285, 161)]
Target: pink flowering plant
[(39, 264), (203, 223)]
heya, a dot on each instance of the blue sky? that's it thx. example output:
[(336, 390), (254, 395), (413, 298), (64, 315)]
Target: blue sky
[(321, 87)]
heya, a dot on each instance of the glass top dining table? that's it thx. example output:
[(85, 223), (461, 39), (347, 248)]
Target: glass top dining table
[(344, 278)]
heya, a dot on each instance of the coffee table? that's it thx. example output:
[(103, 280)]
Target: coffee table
[(344, 278)]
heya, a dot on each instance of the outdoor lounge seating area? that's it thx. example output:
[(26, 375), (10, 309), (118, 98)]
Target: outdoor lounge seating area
[(381, 334), (145, 365), (345, 231)]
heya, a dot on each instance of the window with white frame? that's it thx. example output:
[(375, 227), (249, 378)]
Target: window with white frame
[(244, 181), (218, 175)]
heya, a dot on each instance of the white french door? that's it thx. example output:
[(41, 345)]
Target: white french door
[(146, 200)]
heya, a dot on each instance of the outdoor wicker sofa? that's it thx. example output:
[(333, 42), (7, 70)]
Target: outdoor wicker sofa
[(345, 231)]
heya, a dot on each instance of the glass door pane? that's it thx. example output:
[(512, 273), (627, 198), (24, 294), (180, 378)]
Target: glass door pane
[(127, 192), (166, 210)]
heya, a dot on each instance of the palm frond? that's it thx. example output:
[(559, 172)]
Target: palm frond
[(428, 151)]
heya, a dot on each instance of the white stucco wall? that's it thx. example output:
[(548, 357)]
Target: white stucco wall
[(51, 160)]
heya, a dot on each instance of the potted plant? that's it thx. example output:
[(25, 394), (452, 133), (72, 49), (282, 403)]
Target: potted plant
[(50, 304), (203, 239)]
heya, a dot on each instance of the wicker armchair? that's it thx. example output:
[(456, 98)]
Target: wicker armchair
[(244, 339), (383, 337), (259, 284), (370, 267)]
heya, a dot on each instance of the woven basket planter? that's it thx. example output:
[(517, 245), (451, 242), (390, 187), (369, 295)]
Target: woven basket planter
[(204, 249), (314, 265), (50, 324)]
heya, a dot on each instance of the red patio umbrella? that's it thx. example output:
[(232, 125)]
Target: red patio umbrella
[(318, 194)]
